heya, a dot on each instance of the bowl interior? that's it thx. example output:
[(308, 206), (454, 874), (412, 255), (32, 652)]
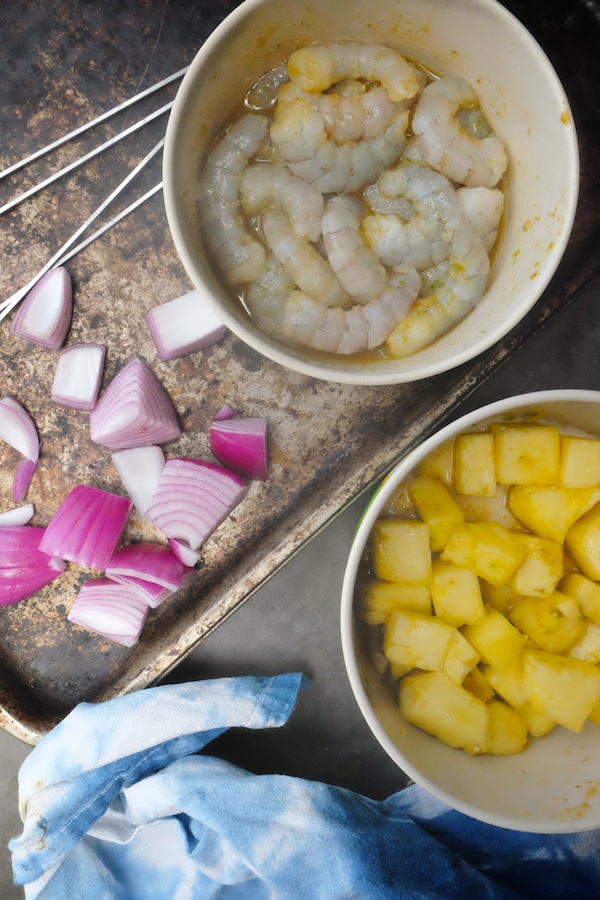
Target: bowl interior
[(553, 786), (524, 102)]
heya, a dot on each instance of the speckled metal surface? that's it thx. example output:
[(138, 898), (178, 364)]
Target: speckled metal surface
[(61, 63)]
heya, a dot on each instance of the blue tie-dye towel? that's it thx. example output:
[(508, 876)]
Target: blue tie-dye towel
[(118, 804)]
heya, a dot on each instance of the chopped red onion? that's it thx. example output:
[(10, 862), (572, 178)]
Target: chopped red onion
[(44, 316), (150, 562), (241, 445), (78, 376), (87, 526), (193, 498), (18, 430), (110, 609), (225, 412), (134, 411), (183, 326), (24, 568), (151, 594), (140, 469), (185, 554), (20, 515)]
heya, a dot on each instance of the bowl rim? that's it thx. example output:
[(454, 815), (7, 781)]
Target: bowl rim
[(381, 373), (346, 622)]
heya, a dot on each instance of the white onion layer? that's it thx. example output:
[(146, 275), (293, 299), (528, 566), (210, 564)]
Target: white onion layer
[(78, 376), (183, 326), (44, 316)]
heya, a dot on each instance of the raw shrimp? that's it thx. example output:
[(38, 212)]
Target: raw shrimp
[(420, 242), (303, 263), (319, 66), (238, 254), (266, 184), (300, 136), (445, 146), (340, 331), (483, 207), (464, 277), (266, 296), (356, 266)]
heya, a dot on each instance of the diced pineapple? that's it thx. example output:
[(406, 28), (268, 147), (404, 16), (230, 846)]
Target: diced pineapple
[(564, 689), (507, 730), (538, 724), (500, 596), (455, 594), (508, 682), (579, 461), (379, 598), (399, 504), (401, 550), (460, 659), (495, 639), (413, 640), (594, 716), (438, 509), (550, 511), (526, 454), (489, 549), (476, 682), (585, 591), (541, 569), (587, 645), (439, 463), (553, 622), (474, 470), (431, 701), (582, 540)]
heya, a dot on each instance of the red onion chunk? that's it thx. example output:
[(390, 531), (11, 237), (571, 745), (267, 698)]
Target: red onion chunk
[(151, 594), (78, 376), (87, 526), (193, 498), (226, 412), (184, 553), (183, 326), (24, 568), (150, 562), (44, 316), (20, 515), (22, 480), (18, 430), (241, 445), (134, 411), (140, 469), (110, 609)]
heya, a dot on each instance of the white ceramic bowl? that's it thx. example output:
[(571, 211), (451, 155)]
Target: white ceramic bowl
[(552, 787), (519, 91)]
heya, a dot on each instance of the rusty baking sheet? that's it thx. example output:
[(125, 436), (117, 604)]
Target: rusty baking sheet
[(61, 65)]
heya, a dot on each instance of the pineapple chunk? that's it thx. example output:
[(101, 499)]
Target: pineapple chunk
[(579, 462), (594, 716), (526, 454), (549, 511), (585, 591), (413, 640), (553, 622), (587, 645), (507, 730), (431, 701), (460, 659), (500, 596), (379, 598), (474, 471), (455, 594), (582, 540), (541, 569), (439, 463), (564, 689), (401, 550), (495, 639), (489, 549), (476, 682), (508, 682), (438, 509)]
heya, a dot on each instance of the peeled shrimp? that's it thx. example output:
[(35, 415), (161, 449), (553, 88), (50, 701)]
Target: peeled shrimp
[(300, 136), (319, 66), (446, 147), (238, 254), (356, 266), (266, 296), (483, 207), (346, 331), (464, 277), (266, 184), (303, 263)]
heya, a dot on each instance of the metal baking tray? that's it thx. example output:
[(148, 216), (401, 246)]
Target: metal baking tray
[(62, 64)]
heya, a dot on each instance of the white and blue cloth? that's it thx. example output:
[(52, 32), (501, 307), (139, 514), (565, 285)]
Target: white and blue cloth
[(122, 801)]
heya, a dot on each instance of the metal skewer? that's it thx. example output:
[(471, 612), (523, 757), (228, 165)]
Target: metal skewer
[(83, 128)]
